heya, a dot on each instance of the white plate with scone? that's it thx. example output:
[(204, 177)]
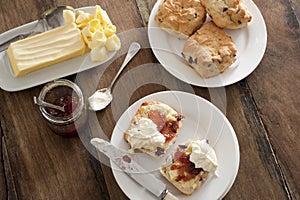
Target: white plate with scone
[(250, 42), (202, 120)]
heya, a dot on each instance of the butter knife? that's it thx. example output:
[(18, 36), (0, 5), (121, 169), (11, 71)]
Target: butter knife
[(125, 162)]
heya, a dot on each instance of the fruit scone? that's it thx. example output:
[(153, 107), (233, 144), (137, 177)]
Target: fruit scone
[(180, 18), (210, 51), (232, 14), (154, 128), (190, 166)]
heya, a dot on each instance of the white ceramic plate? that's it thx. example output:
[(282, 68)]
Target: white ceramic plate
[(202, 120), (251, 44), (11, 83)]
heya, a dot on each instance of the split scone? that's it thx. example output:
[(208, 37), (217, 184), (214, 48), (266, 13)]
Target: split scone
[(232, 14), (154, 128), (190, 166), (210, 51), (180, 18)]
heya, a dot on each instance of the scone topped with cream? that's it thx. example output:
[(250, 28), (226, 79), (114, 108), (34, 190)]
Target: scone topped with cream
[(190, 166), (154, 128), (231, 14), (180, 18)]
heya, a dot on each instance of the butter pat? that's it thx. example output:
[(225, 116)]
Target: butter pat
[(98, 33), (45, 49), (69, 16)]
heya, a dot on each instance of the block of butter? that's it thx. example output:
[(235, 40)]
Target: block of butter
[(45, 49)]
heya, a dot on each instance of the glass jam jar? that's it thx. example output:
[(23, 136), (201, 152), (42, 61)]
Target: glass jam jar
[(64, 93)]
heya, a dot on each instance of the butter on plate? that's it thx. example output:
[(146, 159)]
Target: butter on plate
[(45, 49)]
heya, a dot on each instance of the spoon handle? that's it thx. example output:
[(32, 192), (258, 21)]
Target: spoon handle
[(4, 45), (46, 104), (36, 30), (133, 49)]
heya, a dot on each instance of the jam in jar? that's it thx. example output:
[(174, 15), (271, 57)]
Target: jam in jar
[(67, 94)]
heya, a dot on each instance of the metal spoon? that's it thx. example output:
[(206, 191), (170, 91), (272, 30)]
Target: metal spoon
[(102, 98), (54, 16), (48, 105), (49, 19)]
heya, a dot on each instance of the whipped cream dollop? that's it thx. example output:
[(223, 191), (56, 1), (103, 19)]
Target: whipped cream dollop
[(99, 100), (144, 134), (203, 156)]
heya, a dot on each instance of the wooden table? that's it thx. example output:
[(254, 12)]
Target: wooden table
[(262, 108)]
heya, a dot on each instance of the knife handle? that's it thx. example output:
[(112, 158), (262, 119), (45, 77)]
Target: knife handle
[(170, 196)]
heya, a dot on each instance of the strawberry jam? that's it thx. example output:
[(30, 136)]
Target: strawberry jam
[(166, 127), (185, 168), (68, 95), (69, 103)]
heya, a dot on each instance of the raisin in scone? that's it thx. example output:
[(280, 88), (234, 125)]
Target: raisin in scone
[(231, 14), (154, 128), (190, 166), (180, 18), (210, 51)]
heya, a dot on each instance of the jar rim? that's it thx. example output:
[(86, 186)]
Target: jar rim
[(65, 119)]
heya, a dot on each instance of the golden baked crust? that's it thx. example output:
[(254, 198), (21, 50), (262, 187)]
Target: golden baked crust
[(180, 18), (168, 123), (231, 14), (210, 51)]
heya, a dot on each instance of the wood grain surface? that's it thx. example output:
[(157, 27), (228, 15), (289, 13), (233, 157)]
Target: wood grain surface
[(262, 108)]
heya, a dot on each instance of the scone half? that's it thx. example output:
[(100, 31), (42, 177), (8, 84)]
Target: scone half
[(154, 128), (231, 14), (210, 51), (180, 18), (182, 173)]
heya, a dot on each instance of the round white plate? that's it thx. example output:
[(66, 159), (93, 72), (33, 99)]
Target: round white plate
[(202, 121), (250, 41), (78, 64)]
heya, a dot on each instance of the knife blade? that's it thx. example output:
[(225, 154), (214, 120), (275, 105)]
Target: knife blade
[(125, 162)]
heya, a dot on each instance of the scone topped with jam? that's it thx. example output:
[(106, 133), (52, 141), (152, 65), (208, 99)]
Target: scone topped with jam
[(180, 18), (154, 128), (190, 166), (231, 14)]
